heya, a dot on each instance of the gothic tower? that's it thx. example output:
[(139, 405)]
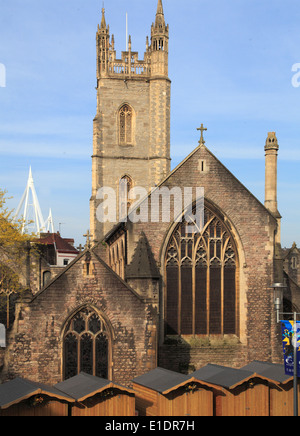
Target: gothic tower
[(131, 145)]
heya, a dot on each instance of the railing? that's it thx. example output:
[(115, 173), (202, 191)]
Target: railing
[(138, 68)]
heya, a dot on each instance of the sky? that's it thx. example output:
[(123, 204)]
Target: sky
[(230, 63)]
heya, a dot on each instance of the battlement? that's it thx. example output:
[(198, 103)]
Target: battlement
[(155, 60), (129, 65)]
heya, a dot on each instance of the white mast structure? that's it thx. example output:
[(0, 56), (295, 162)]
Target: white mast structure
[(32, 211), (49, 224)]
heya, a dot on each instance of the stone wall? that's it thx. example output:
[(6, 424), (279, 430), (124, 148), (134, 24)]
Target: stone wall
[(35, 344), (253, 229)]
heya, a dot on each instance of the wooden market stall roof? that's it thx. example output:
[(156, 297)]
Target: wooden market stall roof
[(162, 380), (162, 392), (271, 371), (84, 386), (228, 378), (245, 392), (165, 381), (98, 397), (19, 389)]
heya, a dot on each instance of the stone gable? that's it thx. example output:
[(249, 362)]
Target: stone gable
[(35, 343)]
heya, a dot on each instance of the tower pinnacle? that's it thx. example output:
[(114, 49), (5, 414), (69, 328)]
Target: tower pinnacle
[(103, 22), (160, 18)]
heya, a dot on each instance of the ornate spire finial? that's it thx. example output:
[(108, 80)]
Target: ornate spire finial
[(202, 129), (103, 22), (160, 9), (160, 18)]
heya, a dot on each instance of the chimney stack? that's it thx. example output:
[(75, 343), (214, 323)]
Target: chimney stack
[(271, 150)]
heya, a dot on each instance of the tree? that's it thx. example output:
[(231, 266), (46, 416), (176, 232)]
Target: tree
[(14, 249)]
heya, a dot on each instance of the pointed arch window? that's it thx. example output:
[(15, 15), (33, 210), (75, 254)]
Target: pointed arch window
[(201, 275), (125, 186), (126, 125), (86, 345)]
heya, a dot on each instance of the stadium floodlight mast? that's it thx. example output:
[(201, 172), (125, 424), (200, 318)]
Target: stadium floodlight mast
[(29, 202)]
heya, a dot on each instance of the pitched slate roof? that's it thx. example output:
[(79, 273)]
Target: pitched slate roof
[(228, 378), (83, 386), (19, 389), (162, 380), (165, 381), (271, 371), (143, 264)]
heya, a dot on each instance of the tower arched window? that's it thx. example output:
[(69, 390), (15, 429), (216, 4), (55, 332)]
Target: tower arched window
[(126, 125), (86, 345), (201, 276), (125, 185)]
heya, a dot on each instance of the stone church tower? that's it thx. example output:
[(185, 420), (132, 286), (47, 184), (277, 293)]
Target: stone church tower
[(156, 294), (131, 145)]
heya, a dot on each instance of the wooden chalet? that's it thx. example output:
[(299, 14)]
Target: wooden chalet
[(21, 397), (166, 393), (258, 389), (97, 396), (281, 392), (244, 391)]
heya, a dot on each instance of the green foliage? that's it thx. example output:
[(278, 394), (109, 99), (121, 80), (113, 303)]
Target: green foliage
[(14, 246)]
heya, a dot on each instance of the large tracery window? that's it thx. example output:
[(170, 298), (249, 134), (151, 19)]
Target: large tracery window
[(86, 345), (125, 125), (200, 272)]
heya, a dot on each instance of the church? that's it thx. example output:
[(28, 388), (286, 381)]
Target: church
[(155, 292)]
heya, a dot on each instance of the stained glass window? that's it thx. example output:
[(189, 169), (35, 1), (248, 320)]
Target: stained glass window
[(200, 272), (86, 345)]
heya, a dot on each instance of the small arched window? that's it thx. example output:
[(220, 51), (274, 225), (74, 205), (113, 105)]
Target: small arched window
[(86, 345), (126, 125)]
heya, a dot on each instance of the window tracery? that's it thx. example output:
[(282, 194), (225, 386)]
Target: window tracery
[(125, 125), (125, 186), (86, 343), (200, 271)]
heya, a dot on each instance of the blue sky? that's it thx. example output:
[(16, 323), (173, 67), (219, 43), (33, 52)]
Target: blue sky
[(230, 63)]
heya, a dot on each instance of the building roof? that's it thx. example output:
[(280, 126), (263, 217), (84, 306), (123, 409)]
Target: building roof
[(289, 251), (165, 381), (228, 378), (77, 388), (143, 264), (271, 371), (20, 389), (83, 386), (162, 380), (62, 245)]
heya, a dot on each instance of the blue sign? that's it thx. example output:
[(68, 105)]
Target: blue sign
[(289, 341)]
